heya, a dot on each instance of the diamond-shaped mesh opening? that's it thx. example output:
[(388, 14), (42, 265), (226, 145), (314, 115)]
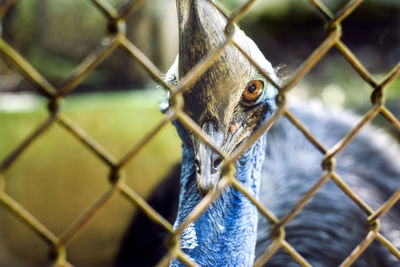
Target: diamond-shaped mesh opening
[(141, 169), (304, 24), (103, 235), (365, 40), (336, 84), (51, 27), (53, 175)]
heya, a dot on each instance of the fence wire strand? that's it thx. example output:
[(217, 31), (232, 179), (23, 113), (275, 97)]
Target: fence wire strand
[(117, 39)]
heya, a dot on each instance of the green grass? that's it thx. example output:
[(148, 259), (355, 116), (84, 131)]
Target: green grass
[(57, 177)]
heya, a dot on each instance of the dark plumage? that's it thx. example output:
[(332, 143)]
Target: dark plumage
[(331, 225)]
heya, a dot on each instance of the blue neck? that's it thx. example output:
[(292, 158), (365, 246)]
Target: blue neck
[(225, 234)]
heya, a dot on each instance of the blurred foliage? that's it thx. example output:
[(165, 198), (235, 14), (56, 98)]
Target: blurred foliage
[(57, 178), (281, 8), (56, 35)]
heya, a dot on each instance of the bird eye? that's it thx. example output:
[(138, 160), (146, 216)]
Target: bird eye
[(253, 90)]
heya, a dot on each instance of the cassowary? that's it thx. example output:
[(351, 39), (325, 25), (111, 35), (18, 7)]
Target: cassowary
[(229, 102)]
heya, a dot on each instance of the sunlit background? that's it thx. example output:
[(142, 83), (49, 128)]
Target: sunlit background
[(57, 178)]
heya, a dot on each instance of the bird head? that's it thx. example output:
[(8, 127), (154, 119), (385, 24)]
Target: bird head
[(231, 99)]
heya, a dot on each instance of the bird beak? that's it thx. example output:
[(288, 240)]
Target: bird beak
[(207, 161)]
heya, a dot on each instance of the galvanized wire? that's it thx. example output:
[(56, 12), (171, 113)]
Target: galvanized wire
[(117, 38)]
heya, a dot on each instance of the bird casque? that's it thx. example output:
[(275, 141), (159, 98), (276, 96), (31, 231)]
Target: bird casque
[(231, 99), (229, 102)]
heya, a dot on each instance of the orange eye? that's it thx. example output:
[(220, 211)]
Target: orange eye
[(253, 90)]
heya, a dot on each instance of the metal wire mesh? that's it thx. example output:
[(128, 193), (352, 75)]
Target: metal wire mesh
[(117, 38)]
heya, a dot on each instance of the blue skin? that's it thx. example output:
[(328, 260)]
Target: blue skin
[(226, 233)]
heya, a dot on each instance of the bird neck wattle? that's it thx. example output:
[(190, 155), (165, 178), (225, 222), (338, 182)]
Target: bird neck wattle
[(225, 234)]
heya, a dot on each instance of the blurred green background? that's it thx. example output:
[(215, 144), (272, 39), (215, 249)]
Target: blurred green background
[(57, 178)]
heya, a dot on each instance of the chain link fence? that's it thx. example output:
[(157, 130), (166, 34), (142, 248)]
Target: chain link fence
[(117, 39)]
